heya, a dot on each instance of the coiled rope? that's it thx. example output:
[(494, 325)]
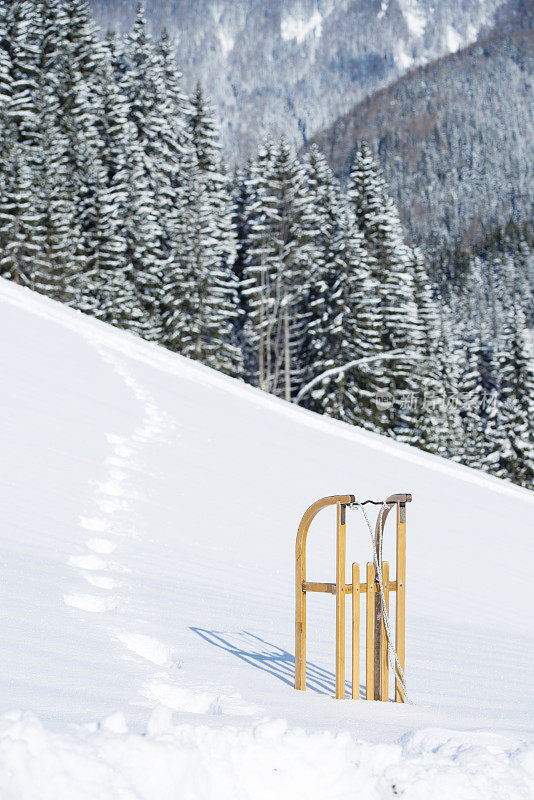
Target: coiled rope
[(393, 658)]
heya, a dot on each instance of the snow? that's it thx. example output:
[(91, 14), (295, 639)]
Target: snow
[(297, 27), (149, 512), (453, 40), (415, 16), (403, 59), (226, 40), (384, 5), (225, 36), (263, 762)]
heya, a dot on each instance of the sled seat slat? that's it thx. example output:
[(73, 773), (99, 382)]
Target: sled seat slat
[(330, 588)]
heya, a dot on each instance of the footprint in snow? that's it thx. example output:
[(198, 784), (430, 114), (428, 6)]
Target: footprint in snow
[(112, 461), (102, 546), (122, 451), (108, 506), (88, 602), (197, 700), (101, 581), (147, 647), (111, 488), (112, 438), (94, 523), (117, 475), (179, 698), (93, 563), (90, 562)]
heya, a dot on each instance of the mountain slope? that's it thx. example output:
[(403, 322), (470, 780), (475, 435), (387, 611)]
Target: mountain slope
[(292, 66), (454, 139), (149, 512)]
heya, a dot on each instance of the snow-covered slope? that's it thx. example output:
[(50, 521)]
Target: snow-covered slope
[(149, 510)]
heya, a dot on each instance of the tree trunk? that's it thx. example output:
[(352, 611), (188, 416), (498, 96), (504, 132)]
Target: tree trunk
[(287, 365)]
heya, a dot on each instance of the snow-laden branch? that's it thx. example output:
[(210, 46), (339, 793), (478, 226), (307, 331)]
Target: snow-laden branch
[(392, 355)]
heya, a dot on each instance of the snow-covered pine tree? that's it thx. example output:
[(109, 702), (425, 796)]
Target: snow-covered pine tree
[(172, 80), (480, 319), (60, 260), (342, 306), (525, 266), (489, 413), (506, 368), (471, 403), (113, 295), (449, 358), (251, 228), (516, 402), (201, 315), (379, 224), (172, 146), (360, 330), (488, 295), (144, 257), (53, 22), (20, 230), (225, 350), (489, 345), (179, 307), (277, 272), (77, 81), (369, 381), (150, 195), (177, 151), (207, 298), (5, 91), (182, 179), (322, 344), (5, 65), (430, 415), (204, 134), (241, 200), (55, 264)]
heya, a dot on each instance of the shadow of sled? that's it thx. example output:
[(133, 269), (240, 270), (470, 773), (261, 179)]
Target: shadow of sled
[(270, 658)]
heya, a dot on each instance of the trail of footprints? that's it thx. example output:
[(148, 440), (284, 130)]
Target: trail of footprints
[(98, 564)]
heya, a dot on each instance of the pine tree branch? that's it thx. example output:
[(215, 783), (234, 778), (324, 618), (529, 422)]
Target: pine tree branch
[(392, 355)]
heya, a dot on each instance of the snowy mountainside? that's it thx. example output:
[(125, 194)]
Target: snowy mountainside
[(454, 138), (292, 66), (149, 511)]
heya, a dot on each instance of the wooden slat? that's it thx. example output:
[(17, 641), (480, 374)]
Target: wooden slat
[(340, 601), (330, 588), (326, 588), (378, 629), (379, 532), (400, 642), (356, 632), (392, 587), (300, 619), (384, 674), (370, 633)]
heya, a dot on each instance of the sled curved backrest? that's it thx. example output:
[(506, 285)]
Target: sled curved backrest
[(341, 501)]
